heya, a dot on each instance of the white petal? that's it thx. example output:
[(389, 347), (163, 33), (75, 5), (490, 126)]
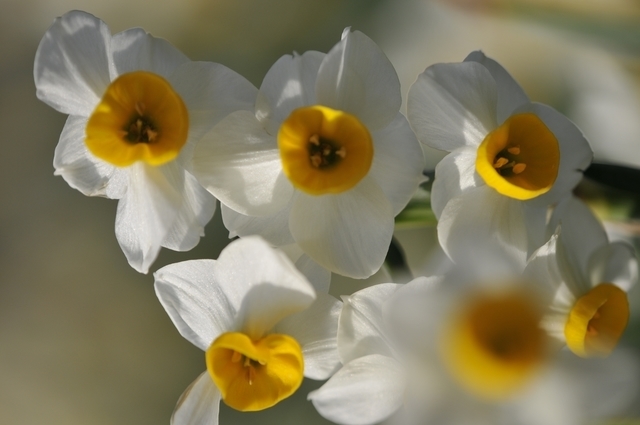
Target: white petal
[(412, 315), (358, 78), (288, 85), (614, 263), (190, 293), (195, 212), (510, 94), (347, 233), (147, 211), (239, 163), (365, 391), (199, 404), (484, 231), (542, 269), (397, 162), (315, 329), (454, 174), (74, 162), (71, 69), (274, 228), (575, 153), (137, 50), (361, 330), (262, 285), (211, 91), (582, 233), (318, 276), (453, 105), (536, 218), (578, 391)]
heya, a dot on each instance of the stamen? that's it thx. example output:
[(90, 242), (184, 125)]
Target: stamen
[(236, 357), (252, 375), (314, 140), (502, 161), (342, 152), (514, 150), (592, 331), (519, 168)]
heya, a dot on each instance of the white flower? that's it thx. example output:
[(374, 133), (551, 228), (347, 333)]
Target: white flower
[(136, 105), (326, 161), (440, 351), (259, 320), (588, 278), (509, 158)]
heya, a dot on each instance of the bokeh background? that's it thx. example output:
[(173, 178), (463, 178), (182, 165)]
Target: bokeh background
[(83, 339)]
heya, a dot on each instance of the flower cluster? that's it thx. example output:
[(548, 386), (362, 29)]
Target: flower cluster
[(310, 171)]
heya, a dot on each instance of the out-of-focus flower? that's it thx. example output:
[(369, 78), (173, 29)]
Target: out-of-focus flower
[(326, 161), (258, 319), (438, 350), (589, 279), (136, 105), (510, 158)]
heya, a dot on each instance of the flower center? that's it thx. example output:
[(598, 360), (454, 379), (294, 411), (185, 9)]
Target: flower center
[(324, 150), (255, 375), (139, 118), (519, 159), (597, 321), (494, 345)]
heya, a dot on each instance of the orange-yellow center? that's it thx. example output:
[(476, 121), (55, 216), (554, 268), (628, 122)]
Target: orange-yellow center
[(139, 118), (597, 321), (254, 375), (520, 159), (323, 150), (494, 345)]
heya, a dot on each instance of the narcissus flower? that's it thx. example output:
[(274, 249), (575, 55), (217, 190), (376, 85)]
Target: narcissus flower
[(136, 105), (438, 351), (589, 280), (325, 161), (509, 158), (261, 324)]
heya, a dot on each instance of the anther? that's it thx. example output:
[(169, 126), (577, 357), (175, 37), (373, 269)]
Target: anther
[(314, 139), (502, 161), (514, 150), (151, 134), (519, 168), (342, 152), (316, 160), (252, 375), (591, 331)]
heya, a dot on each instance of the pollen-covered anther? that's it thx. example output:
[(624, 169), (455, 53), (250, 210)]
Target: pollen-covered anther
[(324, 153)]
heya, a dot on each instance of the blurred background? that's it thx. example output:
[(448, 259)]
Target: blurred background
[(83, 339)]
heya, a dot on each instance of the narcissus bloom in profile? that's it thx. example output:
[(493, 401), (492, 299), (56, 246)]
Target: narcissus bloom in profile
[(590, 279), (326, 160), (136, 105), (260, 322), (439, 351), (509, 159)]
